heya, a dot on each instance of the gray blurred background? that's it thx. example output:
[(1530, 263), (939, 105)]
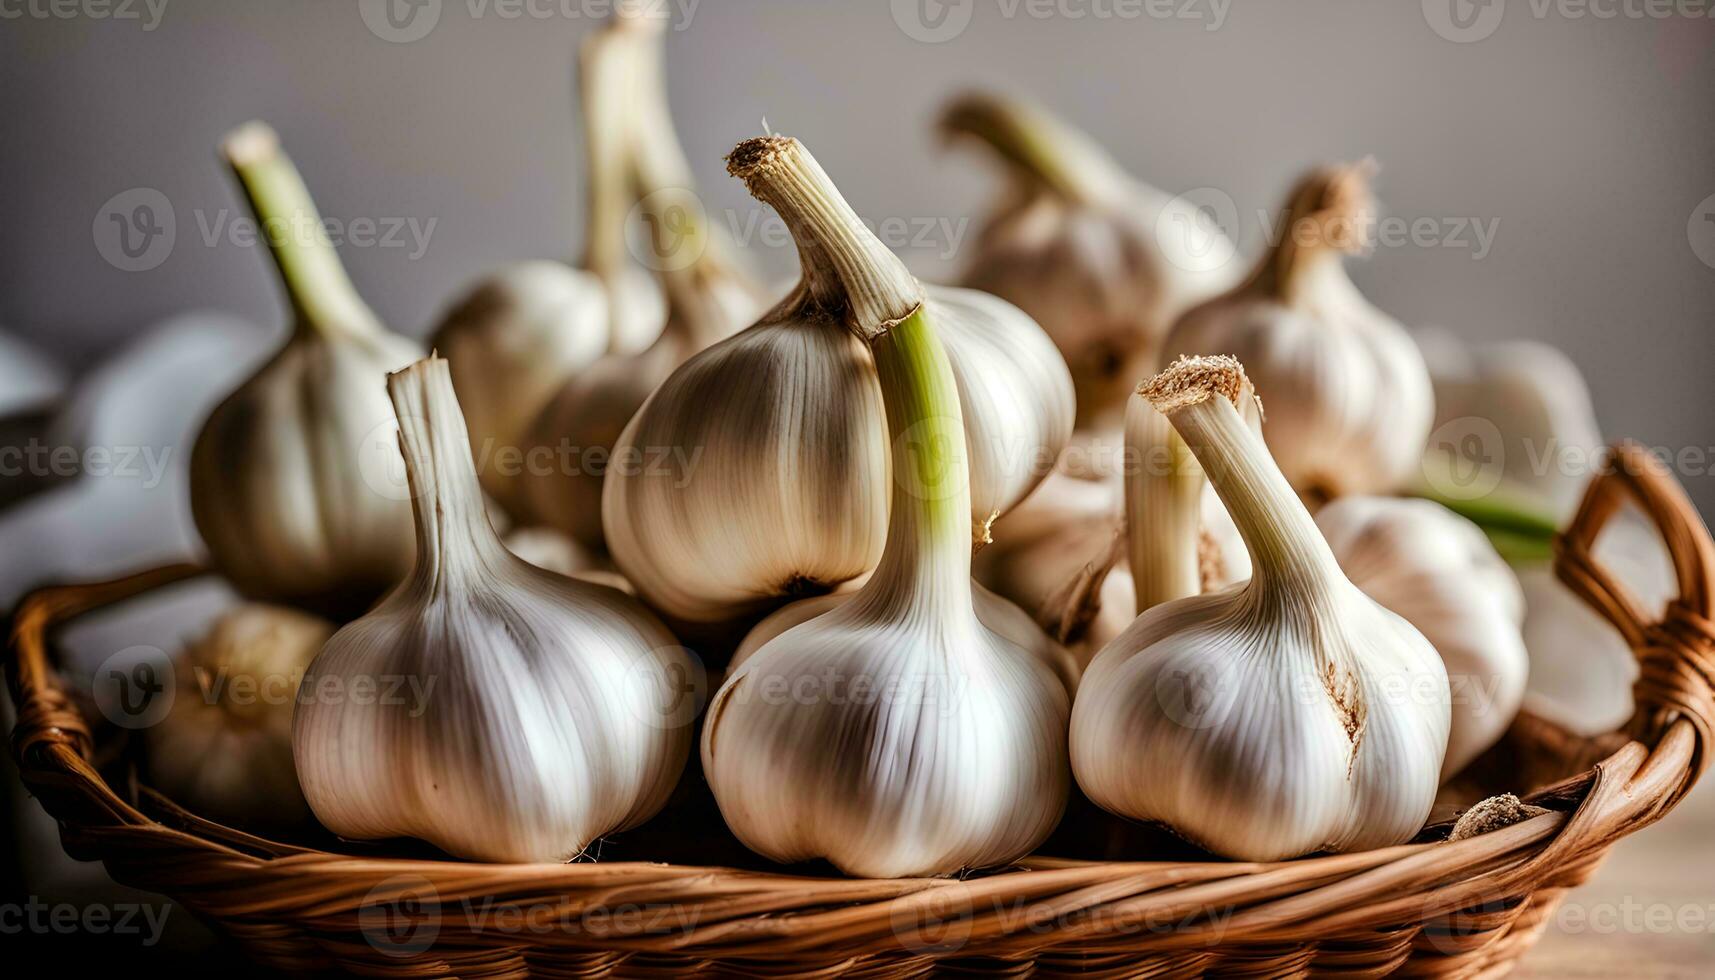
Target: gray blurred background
[(1585, 144)]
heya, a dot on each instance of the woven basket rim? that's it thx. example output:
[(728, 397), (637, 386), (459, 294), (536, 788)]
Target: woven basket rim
[(246, 881)]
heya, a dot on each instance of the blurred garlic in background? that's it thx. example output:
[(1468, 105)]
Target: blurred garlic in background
[(224, 749), (1104, 263)]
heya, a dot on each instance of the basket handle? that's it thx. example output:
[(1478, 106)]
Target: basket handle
[(52, 736), (1675, 649)]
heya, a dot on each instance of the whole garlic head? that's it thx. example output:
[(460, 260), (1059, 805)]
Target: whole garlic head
[(898, 733), (531, 713), (1105, 264), (278, 476), (1349, 397), (758, 471), (1286, 715), (1439, 571), (224, 750), (516, 337)]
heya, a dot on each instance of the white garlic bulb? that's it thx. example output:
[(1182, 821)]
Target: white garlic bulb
[(757, 472), (1349, 398), (1103, 262), (1286, 715), (512, 714), (519, 334), (912, 738), (282, 494), (1438, 571), (224, 750)]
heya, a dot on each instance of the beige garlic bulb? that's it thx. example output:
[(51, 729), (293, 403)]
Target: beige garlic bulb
[(290, 474), (515, 337), (513, 714), (757, 472), (899, 733), (1103, 262), (1437, 570), (708, 298), (224, 750), (1286, 715), (1349, 397)]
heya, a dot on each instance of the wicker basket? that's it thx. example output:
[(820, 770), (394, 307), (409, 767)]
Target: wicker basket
[(1433, 907)]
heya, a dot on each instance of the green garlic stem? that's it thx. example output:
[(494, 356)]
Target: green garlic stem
[(322, 296), (1040, 147)]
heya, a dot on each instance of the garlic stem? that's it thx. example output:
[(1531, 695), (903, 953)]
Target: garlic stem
[(1041, 148), (1324, 222), (1292, 562), (607, 71), (454, 537), (846, 269), (321, 293), (1163, 506)]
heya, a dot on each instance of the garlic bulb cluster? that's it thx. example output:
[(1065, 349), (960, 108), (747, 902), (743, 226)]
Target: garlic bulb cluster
[(898, 733), (281, 490), (1103, 262), (758, 471), (1286, 715), (1349, 397), (1437, 570), (224, 750), (516, 336), (708, 298), (511, 714)]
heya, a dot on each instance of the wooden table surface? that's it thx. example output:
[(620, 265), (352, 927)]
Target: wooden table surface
[(1648, 912)]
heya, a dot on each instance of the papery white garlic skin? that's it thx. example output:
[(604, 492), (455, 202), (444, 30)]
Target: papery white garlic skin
[(1286, 715), (757, 471), (1104, 263), (536, 712), (289, 473), (224, 750), (1439, 571), (1349, 401)]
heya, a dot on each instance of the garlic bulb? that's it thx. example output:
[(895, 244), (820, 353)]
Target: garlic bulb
[(516, 336), (289, 507), (912, 739), (1287, 715), (1349, 398), (1103, 262), (758, 470), (512, 714), (1437, 570), (224, 750), (707, 299)]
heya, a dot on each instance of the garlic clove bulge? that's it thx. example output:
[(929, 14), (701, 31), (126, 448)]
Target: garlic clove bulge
[(515, 337), (913, 739), (531, 713), (1349, 397), (1105, 264), (757, 472), (224, 750), (289, 473), (1287, 715)]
